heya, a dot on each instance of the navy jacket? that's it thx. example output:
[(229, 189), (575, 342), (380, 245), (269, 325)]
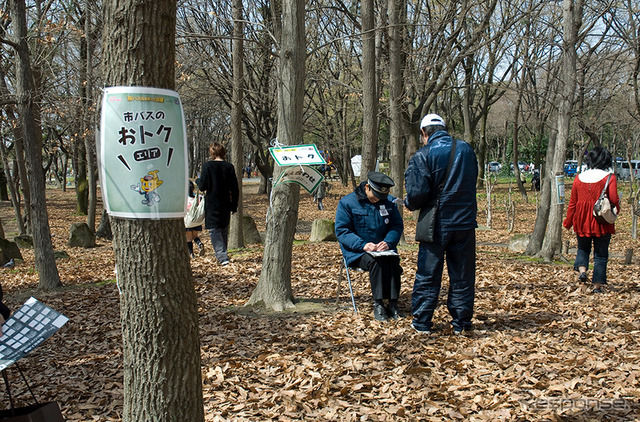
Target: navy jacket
[(358, 222), (426, 170), (218, 181)]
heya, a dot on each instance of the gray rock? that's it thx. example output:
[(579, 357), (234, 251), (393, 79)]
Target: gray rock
[(250, 230), (323, 231), (60, 255), (519, 243), (24, 241), (81, 236), (8, 250)]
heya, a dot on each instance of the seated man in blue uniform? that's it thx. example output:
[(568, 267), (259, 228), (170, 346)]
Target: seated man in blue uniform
[(368, 228)]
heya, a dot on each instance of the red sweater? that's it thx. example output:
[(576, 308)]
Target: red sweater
[(585, 191)]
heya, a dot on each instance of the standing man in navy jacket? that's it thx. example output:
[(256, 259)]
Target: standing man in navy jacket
[(455, 234), (367, 222)]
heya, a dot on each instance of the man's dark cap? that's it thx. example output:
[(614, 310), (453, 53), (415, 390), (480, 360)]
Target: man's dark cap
[(379, 184)]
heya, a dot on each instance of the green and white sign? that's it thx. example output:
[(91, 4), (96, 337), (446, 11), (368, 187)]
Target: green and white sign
[(297, 155), (143, 160), (560, 188), (307, 177)]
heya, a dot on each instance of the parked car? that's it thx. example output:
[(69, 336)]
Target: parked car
[(624, 169), (494, 167), (571, 167), (522, 166)]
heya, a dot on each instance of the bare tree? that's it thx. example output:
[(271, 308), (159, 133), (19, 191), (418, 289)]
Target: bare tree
[(161, 349), (274, 286), (369, 91), (25, 97), (236, 238), (572, 21)]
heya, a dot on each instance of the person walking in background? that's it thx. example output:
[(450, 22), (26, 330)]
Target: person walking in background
[(193, 233), (368, 227), (218, 181), (455, 224), (320, 194), (585, 191)]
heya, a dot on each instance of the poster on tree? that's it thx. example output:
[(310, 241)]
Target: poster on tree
[(143, 159)]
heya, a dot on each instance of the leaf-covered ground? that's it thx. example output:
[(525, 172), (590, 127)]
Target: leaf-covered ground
[(542, 349)]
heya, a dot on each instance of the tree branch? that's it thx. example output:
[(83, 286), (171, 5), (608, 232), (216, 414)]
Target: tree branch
[(9, 43)]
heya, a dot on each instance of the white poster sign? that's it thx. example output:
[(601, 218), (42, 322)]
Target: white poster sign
[(307, 177), (297, 155), (560, 188), (143, 159)]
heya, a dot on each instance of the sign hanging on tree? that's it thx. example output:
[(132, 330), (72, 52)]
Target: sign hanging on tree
[(307, 177), (560, 188), (143, 160), (297, 155)]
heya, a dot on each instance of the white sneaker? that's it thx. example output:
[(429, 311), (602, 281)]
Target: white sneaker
[(418, 330), (224, 263)]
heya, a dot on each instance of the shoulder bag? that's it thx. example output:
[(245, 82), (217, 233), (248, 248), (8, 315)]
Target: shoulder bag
[(426, 226), (603, 211), (195, 216)]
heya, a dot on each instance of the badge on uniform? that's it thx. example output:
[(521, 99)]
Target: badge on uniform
[(383, 211)]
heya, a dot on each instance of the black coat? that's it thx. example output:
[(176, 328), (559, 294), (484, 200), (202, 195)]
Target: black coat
[(4, 311), (218, 181)]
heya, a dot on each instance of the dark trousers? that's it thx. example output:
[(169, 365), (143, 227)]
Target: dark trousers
[(600, 256), (384, 275), (219, 239), (460, 250)]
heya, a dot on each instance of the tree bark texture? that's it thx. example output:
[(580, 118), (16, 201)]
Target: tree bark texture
[(369, 91), (572, 18), (274, 286), (162, 376), (397, 17), (89, 114), (542, 217), (159, 322), (236, 238), (25, 94)]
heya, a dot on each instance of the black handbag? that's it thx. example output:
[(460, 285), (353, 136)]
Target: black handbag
[(426, 225)]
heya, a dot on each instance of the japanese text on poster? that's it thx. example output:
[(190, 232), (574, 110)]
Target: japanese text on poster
[(296, 155), (143, 160), (305, 176)]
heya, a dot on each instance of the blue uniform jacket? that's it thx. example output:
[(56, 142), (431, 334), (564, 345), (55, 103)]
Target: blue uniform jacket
[(358, 222), (426, 170)]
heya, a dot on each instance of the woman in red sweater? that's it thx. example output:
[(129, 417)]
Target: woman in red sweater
[(586, 189)]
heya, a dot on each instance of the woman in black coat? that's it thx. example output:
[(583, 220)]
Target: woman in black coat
[(4, 311), (218, 181)]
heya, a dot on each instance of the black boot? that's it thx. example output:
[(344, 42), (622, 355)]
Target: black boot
[(394, 310), (380, 312), (190, 247), (200, 245)]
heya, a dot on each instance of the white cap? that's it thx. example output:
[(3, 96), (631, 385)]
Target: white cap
[(432, 120)]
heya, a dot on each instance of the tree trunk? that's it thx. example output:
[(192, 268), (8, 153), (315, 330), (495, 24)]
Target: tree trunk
[(88, 133), (572, 16), (45, 262), (369, 91), (161, 345), (542, 217), (104, 229), (236, 238), (15, 200), (397, 18), (274, 287)]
